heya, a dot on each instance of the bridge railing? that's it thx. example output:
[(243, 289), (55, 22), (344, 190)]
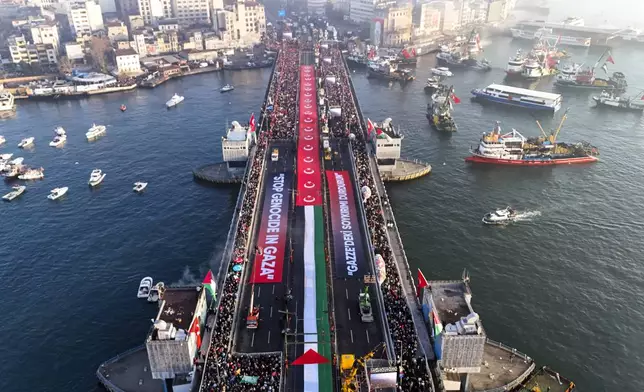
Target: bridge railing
[(519, 379), (109, 385)]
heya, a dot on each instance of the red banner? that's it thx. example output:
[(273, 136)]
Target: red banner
[(271, 239), (309, 179)]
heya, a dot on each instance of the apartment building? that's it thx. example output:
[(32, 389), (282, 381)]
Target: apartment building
[(23, 52), (189, 12), (361, 11), (392, 26), (316, 7), (154, 10), (126, 8), (127, 61), (497, 11), (85, 17), (426, 19), (46, 33), (449, 14), (108, 6), (116, 31), (242, 23)]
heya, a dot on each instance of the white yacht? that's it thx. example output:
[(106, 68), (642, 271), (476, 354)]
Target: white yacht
[(174, 101), (500, 217), (32, 174), (26, 142), (2, 139), (17, 191), (17, 161), (7, 103), (442, 71), (6, 157), (59, 139), (515, 64), (96, 177), (95, 131), (57, 193), (139, 186), (227, 88), (568, 73), (144, 287), (156, 292)]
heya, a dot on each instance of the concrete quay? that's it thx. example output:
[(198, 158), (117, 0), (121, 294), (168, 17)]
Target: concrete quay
[(217, 173), (406, 170)]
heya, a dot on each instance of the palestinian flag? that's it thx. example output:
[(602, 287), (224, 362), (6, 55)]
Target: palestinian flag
[(209, 284), (438, 326)]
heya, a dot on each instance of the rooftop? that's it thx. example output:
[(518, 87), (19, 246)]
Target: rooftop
[(94, 77), (524, 91), (501, 366), (126, 52), (178, 306), (236, 132), (130, 372), (450, 299)]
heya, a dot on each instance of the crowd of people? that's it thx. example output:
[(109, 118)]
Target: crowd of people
[(399, 318), (223, 371)]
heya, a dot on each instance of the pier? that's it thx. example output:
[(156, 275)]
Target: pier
[(314, 291)]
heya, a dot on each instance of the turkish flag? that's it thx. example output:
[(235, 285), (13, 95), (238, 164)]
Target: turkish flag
[(422, 281), (610, 59)]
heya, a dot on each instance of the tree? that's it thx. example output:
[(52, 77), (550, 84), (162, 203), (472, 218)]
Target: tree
[(99, 48), (64, 65)]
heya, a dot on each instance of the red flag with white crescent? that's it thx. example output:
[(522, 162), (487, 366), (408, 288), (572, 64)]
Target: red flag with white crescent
[(369, 127), (251, 122)]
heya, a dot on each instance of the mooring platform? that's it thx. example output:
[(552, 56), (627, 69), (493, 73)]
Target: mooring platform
[(129, 371), (406, 170), (503, 368), (217, 173)]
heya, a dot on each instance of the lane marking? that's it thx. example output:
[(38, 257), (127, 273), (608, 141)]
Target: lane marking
[(351, 330), (259, 291), (271, 312), (252, 340), (347, 292), (349, 312), (273, 289), (269, 337), (367, 331)]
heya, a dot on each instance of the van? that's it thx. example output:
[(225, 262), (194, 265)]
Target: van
[(275, 156)]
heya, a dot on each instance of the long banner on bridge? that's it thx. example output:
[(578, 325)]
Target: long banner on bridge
[(309, 178), (348, 251), (271, 238)]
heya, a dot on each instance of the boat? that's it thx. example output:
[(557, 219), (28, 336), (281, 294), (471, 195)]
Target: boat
[(536, 67), (581, 77), (156, 292), (6, 157), (60, 137), (357, 60), (2, 139), (123, 108), (474, 43), (512, 148), (95, 131), (610, 100), (515, 65), (442, 71), (17, 191), (227, 88), (32, 174), (500, 217), (57, 193), (174, 101), (432, 85), (11, 171), (385, 70), (519, 97), (454, 59), (26, 142), (139, 186), (483, 65), (439, 111), (17, 161), (7, 103), (144, 287), (568, 73), (547, 34), (96, 177)]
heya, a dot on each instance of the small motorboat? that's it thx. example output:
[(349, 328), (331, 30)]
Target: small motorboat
[(442, 71), (500, 217), (139, 186), (156, 292), (17, 161), (432, 84), (95, 131), (11, 171), (26, 142), (483, 66), (2, 139), (58, 141), (227, 88), (57, 193), (144, 287), (32, 174), (6, 157), (96, 177), (174, 101), (17, 191), (123, 108)]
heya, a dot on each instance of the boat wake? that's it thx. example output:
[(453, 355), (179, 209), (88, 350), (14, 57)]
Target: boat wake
[(527, 215)]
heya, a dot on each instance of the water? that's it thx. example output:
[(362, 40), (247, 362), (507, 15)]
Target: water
[(564, 285)]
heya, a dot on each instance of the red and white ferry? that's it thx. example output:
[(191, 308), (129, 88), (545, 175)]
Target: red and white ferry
[(512, 148)]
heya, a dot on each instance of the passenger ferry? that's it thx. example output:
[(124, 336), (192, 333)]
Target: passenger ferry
[(547, 34), (513, 148), (520, 97)]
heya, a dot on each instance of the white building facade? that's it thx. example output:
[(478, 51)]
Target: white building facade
[(85, 17), (242, 23), (128, 61), (361, 11), (189, 12), (46, 33)]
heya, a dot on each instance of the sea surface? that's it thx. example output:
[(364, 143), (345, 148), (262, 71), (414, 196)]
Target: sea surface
[(565, 285)]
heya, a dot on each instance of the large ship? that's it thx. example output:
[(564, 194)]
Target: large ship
[(512, 148), (572, 32), (584, 77)]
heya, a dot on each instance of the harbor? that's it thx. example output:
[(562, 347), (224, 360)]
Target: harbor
[(450, 176)]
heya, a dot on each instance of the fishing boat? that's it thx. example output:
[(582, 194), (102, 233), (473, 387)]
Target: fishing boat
[(95, 131), (32, 174), (483, 65), (357, 60), (17, 191), (385, 70), (6, 156), (96, 177), (518, 97), (144, 287), (512, 148), (227, 88), (57, 193), (515, 65), (123, 108), (439, 111), (174, 101), (60, 137), (609, 100), (442, 71), (500, 217), (156, 292), (139, 186), (432, 84), (26, 142), (586, 78)]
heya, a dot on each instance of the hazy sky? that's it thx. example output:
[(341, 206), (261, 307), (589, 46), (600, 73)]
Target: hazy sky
[(620, 13)]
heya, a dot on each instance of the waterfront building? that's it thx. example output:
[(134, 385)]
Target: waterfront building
[(108, 6), (361, 11), (117, 31), (85, 17), (46, 33), (193, 39), (392, 26), (240, 24), (23, 52), (127, 61), (497, 11), (426, 19)]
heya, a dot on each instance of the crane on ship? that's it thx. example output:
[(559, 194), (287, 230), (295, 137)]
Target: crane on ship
[(552, 138), (350, 367)]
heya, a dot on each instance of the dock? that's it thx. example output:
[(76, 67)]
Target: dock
[(407, 170), (217, 173)]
